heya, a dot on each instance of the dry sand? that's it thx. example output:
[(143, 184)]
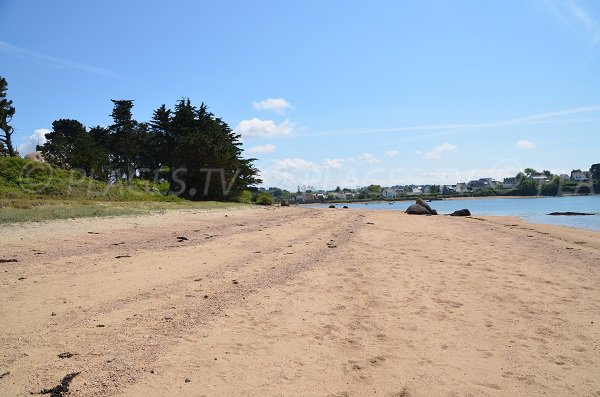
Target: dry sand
[(300, 302)]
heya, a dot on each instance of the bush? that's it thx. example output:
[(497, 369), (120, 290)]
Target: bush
[(264, 199), (245, 197)]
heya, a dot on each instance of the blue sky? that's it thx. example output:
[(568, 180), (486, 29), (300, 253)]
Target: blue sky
[(327, 93)]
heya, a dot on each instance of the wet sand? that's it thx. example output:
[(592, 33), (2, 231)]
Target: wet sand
[(299, 302)]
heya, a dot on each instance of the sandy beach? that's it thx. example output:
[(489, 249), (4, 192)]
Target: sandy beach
[(299, 302)]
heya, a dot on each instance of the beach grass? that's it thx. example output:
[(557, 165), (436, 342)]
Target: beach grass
[(39, 210)]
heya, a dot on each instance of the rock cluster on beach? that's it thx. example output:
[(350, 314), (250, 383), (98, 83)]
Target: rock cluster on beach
[(420, 208)]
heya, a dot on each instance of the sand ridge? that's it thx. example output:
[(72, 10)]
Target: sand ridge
[(299, 301)]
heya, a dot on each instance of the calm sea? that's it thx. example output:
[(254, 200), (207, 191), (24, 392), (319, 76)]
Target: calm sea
[(532, 210)]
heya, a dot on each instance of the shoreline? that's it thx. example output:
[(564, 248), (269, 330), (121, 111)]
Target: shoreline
[(532, 214), (279, 300)]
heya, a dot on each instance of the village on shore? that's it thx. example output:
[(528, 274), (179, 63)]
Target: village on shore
[(526, 183)]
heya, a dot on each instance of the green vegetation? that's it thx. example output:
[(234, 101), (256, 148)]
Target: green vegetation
[(190, 150), (7, 112), (128, 167), (246, 197), (32, 191), (12, 211), (25, 179), (197, 153), (264, 199)]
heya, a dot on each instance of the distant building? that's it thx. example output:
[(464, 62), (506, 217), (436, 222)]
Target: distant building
[(482, 183), (415, 191), (389, 193), (580, 176), (461, 187), (509, 183), (540, 178), (447, 189)]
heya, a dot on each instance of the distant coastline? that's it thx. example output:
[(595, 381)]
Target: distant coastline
[(449, 198)]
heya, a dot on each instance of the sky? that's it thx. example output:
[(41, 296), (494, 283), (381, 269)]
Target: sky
[(327, 93)]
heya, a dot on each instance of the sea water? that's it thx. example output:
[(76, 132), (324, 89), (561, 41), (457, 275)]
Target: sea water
[(534, 210)]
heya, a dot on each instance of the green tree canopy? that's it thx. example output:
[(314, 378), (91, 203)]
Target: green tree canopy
[(595, 172), (69, 145), (7, 111)]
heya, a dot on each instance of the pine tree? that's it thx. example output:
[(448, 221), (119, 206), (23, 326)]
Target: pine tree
[(123, 131), (7, 111)]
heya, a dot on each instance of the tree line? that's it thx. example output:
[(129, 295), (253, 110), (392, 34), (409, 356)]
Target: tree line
[(555, 185), (196, 152)]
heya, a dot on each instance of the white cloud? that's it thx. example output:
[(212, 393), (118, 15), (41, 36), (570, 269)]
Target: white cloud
[(277, 105), (334, 164), (391, 154), (524, 145), (296, 164), (438, 151), (368, 158), (268, 148), (254, 127), (37, 138)]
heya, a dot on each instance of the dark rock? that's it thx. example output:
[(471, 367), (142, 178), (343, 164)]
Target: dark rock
[(417, 209), (345, 206), (463, 212), (569, 213), (65, 355), (332, 206), (8, 260), (420, 208), (424, 204)]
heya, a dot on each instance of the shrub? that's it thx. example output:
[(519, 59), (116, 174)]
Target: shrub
[(264, 199), (245, 197)]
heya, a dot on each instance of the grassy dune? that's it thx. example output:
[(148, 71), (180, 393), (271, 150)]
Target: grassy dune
[(33, 192), (13, 211)]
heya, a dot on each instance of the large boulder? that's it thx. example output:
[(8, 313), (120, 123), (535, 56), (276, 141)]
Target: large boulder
[(422, 203), (420, 208), (417, 209), (463, 212)]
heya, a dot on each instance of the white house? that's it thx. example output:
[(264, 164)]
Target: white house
[(540, 178), (389, 193), (580, 176)]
